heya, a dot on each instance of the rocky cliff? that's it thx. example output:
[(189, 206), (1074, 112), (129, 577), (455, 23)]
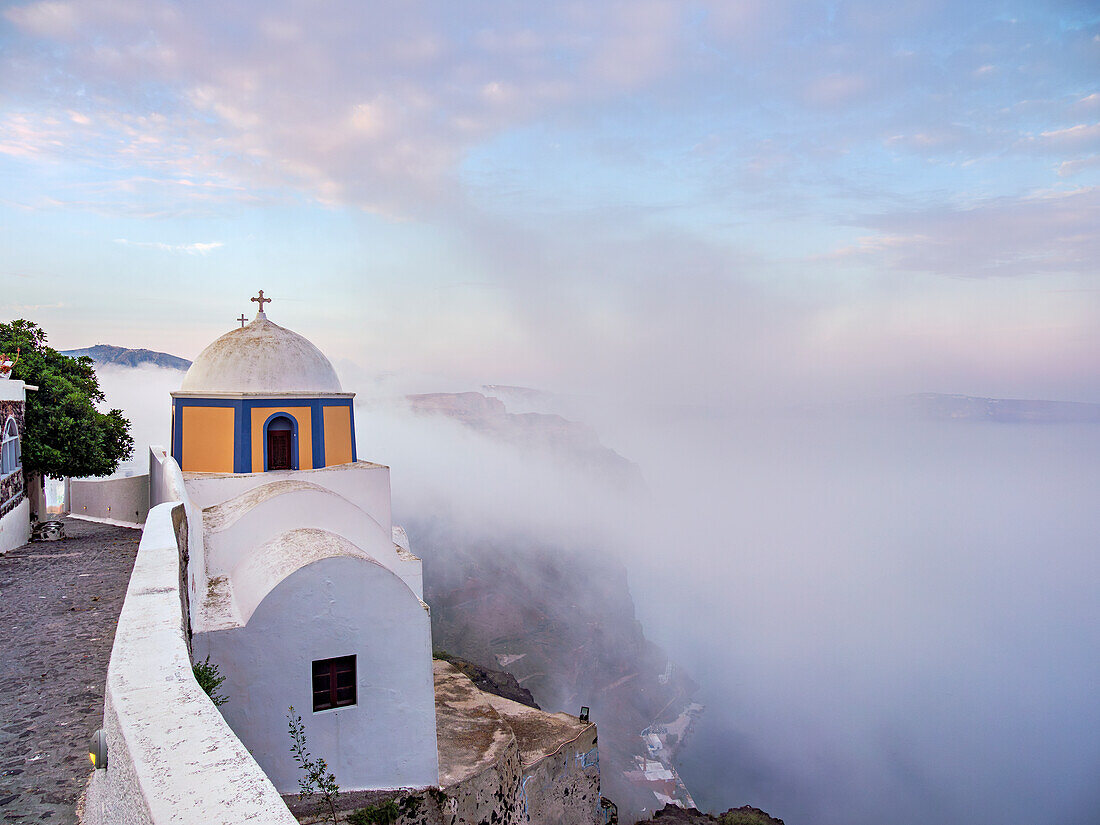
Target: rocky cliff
[(570, 441), (747, 815), (487, 680), (561, 620)]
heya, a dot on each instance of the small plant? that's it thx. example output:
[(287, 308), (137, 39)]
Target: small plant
[(209, 680), (410, 805), (439, 796), (746, 815), (318, 779), (384, 813)]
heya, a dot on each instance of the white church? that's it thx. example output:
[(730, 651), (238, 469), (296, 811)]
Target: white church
[(269, 551), (302, 596)]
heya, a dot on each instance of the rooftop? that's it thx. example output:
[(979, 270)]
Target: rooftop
[(261, 357)]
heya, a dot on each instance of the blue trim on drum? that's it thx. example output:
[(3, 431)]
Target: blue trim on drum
[(242, 426)]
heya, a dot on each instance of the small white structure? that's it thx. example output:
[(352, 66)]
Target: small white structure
[(15, 508), (301, 592)]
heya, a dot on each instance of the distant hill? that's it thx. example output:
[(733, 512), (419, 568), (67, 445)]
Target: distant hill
[(122, 357), (1005, 410)]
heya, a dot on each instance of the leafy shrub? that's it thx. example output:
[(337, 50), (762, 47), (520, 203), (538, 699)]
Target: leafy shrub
[(384, 813), (745, 816), (209, 680)]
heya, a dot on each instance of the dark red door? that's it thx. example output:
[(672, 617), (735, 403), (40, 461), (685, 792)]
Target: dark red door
[(278, 450)]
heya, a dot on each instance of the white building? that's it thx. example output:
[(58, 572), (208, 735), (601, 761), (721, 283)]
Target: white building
[(302, 597), (15, 509)]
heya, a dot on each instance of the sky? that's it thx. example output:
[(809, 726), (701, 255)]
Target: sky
[(702, 200)]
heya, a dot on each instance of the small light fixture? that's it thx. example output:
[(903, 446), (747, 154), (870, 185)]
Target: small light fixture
[(97, 750), (584, 713)]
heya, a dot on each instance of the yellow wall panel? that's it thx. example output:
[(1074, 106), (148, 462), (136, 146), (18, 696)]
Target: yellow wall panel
[(208, 439), (338, 435), (305, 435)]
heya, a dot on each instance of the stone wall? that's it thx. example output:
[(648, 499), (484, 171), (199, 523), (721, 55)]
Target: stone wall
[(563, 787), (15, 509), (505, 763), (13, 489)]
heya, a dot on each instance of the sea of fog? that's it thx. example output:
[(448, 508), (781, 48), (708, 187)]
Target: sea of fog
[(892, 621)]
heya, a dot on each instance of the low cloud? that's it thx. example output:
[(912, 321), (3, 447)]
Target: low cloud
[(1074, 167), (185, 248), (870, 605), (1049, 232), (1081, 135)]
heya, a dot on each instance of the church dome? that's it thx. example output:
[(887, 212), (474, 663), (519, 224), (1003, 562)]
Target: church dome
[(262, 357)]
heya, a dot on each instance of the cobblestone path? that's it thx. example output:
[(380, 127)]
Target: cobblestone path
[(59, 605)]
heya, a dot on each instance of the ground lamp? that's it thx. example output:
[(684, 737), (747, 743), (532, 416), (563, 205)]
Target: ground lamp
[(97, 749)]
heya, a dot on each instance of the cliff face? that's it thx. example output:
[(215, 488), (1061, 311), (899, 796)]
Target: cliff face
[(487, 680), (562, 621)]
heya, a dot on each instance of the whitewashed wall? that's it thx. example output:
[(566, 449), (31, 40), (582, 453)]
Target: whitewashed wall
[(234, 528), (364, 484), (337, 606), (119, 500), (166, 484), (15, 527)]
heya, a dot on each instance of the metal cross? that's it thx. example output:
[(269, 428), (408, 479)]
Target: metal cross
[(243, 320), (261, 300)]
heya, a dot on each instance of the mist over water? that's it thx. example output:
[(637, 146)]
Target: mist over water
[(890, 620)]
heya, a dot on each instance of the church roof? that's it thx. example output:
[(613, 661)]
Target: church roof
[(261, 357)]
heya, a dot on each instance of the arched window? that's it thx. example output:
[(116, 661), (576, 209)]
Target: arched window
[(279, 432), (10, 456)]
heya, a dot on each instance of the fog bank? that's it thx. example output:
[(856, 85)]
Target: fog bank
[(891, 620)]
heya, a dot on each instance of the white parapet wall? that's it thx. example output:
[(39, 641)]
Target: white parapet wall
[(166, 484), (122, 501), (171, 756)]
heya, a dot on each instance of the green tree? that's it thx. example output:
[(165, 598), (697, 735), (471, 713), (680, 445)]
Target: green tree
[(65, 434)]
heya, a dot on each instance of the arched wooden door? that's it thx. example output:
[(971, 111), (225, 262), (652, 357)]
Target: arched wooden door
[(279, 452)]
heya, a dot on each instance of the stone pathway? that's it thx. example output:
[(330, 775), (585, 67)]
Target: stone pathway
[(59, 605)]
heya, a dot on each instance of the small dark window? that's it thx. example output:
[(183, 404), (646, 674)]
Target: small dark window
[(333, 683)]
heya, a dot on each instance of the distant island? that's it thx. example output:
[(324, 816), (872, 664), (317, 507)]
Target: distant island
[(121, 356), (1005, 410)]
